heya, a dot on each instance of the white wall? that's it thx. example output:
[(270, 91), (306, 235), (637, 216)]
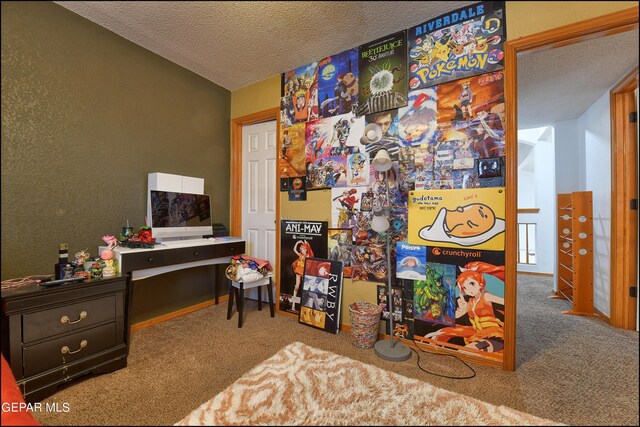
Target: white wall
[(526, 189), (569, 148), (545, 199), (594, 127)]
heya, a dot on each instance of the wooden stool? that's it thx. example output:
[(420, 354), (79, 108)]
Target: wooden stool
[(238, 289)]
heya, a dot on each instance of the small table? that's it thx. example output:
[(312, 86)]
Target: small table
[(238, 289)]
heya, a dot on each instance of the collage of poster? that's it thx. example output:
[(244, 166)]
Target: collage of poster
[(433, 95)]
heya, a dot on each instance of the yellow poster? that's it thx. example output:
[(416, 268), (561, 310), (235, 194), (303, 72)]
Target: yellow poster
[(470, 218)]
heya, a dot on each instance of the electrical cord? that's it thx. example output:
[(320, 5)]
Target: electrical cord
[(441, 354)]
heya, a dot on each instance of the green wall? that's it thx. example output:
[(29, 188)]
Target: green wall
[(86, 115)]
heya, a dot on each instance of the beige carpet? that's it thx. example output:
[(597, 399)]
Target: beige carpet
[(301, 385)]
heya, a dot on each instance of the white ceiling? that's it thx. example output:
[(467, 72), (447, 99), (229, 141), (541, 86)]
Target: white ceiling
[(235, 44)]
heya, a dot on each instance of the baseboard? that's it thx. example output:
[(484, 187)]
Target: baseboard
[(174, 314), (531, 273)]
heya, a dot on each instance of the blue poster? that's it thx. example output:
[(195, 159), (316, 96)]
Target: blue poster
[(338, 83), (411, 261)]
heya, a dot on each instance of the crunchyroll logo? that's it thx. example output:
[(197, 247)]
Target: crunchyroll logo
[(436, 251)]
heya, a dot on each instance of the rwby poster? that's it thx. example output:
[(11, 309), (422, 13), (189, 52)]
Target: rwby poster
[(338, 83), (383, 74), (321, 294), (463, 43), (299, 240)]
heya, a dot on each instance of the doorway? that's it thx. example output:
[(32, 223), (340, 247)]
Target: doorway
[(614, 23)]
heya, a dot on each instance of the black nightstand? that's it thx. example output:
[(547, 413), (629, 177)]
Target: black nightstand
[(51, 335)]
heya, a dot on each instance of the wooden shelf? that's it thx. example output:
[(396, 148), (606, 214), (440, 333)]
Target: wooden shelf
[(575, 252)]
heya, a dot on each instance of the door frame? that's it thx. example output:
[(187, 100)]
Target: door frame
[(235, 221), (605, 25)]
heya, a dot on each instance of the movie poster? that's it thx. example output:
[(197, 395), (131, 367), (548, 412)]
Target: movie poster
[(338, 83), (340, 243), (299, 240), (292, 156), (383, 74), (321, 294), (472, 218), (300, 94), (411, 261), (466, 42), (461, 305)]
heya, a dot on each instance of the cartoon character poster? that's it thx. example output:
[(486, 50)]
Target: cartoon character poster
[(321, 294), (471, 114), (434, 296), (345, 203), (300, 88), (358, 170), (472, 218), (292, 155), (476, 278), (338, 83), (466, 42), (418, 121), (299, 240), (411, 261), (382, 69), (340, 243)]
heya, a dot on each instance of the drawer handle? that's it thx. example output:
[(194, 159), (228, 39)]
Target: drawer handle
[(150, 259), (196, 253), (65, 349), (65, 319)]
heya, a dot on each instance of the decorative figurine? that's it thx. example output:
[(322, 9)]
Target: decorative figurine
[(107, 256)]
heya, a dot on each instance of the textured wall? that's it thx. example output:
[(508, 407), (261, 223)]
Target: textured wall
[(86, 115)]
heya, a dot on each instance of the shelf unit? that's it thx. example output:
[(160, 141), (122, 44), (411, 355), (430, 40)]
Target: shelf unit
[(575, 252)]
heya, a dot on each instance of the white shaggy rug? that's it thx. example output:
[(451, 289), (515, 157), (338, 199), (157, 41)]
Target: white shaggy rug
[(301, 385)]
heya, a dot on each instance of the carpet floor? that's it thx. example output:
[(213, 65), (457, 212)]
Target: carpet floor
[(570, 369)]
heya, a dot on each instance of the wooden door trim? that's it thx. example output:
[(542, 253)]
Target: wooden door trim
[(624, 187), (235, 226), (609, 24)]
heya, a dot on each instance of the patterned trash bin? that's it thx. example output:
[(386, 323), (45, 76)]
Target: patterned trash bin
[(365, 320)]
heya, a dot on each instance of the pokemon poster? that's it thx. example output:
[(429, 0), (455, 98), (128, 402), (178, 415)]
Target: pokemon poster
[(472, 218), (298, 241), (382, 74), (466, 42), (338, 83)]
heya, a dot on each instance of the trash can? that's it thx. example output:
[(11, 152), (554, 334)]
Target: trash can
[(365, 319)]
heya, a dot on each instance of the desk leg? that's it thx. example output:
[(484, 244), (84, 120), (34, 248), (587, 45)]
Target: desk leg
[(215, 282), (259, 289), (270, 292), (230, 306), (240, 304)]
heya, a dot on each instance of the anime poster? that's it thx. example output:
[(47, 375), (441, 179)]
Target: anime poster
[(411, 261), (463, 43), (434, 299), (345, 203), (472, 218), (471, 115), (340, 243), (292, 157), (382, 76), (299, 240), (338, 83), (476, 278), (321, 294), (358, 170), (383, 301), (369, 263), (297, 189), (418, 121), (389, 140), (300, 89)]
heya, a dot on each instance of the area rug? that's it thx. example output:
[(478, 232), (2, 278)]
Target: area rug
[(301, 385)]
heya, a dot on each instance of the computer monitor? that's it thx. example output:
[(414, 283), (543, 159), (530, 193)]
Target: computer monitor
[(178, 215)]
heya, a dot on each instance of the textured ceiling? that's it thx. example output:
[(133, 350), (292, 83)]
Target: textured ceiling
[(562, 83), (235, 44)]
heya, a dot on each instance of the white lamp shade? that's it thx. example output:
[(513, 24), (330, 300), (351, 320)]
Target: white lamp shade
[(372, 134), (382, 161), (379, 223)]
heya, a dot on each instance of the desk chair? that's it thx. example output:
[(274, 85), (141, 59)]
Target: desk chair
[(238, 289)]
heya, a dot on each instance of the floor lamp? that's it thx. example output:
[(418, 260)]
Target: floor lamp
[(387, 349)]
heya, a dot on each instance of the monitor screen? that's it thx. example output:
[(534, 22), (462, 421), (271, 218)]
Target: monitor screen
[(179, 214)]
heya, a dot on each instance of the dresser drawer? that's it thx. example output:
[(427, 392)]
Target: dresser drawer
[(47, 355), (143, 260), (68, 318), (196, 253), (228, 249)]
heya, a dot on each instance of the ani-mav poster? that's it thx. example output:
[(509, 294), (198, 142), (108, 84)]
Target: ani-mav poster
[(299, 240), (321, 294)]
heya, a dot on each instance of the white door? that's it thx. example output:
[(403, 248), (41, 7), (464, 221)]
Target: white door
[(259, 192)]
